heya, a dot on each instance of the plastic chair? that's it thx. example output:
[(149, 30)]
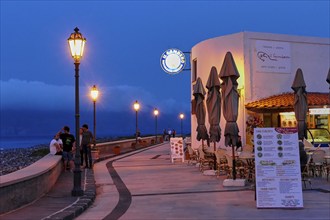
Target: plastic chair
[(317, 161)]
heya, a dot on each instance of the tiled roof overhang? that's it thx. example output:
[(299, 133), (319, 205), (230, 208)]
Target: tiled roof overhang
[(284, 102)]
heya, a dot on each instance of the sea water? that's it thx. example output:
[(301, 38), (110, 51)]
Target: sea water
[(23, 141)]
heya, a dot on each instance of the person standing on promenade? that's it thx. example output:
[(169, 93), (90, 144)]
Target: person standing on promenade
[(56, 145), (86, 143), (169, 134), (68, 146), (165, 135)]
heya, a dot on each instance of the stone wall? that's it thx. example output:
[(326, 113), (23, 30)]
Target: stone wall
[(127, 145), (30, 183)]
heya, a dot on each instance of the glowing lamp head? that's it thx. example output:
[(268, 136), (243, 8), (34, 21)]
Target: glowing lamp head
[(77, 45), (136, 106), (181, 115), (94, 93), (156, 112)]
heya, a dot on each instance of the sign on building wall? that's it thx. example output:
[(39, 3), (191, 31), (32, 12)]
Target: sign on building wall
[(319, 111), (273, 57), (277, 165), (173, 61)]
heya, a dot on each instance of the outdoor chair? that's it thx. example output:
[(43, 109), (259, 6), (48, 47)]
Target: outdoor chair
[(239, 167), (247, 159), (247, 148), (187, 141), (204, 161), (317, 162), (193, 156), (327, 170), (308, 145), (221, 161), (305, 176)]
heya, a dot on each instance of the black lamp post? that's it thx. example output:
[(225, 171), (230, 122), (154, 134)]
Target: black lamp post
[(181, 117), (136, 107), (156, 112), (94, 95), (77, 44)]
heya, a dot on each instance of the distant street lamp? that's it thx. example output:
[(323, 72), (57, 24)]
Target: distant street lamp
[(136, 107), (77, 43), (94, 95), (156, 112), (181, 117)]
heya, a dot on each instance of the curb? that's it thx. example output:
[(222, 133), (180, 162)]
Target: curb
[(82, 203)]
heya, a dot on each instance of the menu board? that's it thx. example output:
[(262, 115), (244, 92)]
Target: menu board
[(177, 151), (277, 165)]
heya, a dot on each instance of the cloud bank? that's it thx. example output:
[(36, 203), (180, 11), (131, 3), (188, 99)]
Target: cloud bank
[(30, 95)]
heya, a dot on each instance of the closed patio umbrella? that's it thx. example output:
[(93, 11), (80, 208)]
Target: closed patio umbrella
[(199, 94), (300, 103), (300, 106), (328, 80), (229, 75), (213, 104)]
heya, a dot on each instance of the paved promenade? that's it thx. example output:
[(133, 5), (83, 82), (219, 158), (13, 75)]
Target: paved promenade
[(144, 185)]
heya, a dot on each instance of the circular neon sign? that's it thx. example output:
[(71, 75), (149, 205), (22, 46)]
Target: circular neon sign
[(173, 61)]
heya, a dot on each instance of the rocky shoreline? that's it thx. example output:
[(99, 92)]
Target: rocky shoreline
[(17, 158)]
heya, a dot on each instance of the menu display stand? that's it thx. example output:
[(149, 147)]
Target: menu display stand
[(177, 151), (277, 166)]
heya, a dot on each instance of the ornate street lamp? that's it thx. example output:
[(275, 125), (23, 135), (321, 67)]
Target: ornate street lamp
[(136, 107), (156, 112), (181, 117), (94, 95), (77, 43)]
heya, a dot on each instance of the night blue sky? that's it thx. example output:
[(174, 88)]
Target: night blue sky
[(125, 40)]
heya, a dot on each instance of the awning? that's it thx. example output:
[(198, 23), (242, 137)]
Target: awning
[(284, 102)]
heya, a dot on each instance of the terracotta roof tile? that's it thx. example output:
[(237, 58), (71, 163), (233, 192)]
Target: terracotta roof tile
[(284, 102)]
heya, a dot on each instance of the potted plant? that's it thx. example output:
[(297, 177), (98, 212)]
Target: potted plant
[(116, 150)]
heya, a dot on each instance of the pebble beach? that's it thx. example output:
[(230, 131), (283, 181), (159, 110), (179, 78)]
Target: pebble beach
[(14, 159), (17, 158)]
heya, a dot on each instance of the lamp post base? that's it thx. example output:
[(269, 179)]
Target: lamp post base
[(77, 191), (234, 182)]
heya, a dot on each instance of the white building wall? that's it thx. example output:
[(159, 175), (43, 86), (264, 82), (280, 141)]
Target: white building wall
[(212, 53), (310, 54)]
